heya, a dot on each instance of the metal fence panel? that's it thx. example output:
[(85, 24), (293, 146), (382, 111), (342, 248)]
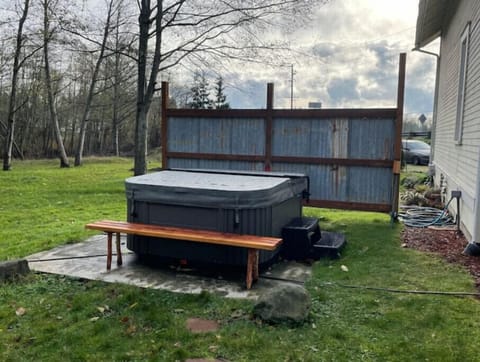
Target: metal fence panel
[(371, 138), (352, 156), (218, 136), (322, 148), (301, 137)]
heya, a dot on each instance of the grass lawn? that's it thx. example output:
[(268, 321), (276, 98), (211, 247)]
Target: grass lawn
[(54, 318)]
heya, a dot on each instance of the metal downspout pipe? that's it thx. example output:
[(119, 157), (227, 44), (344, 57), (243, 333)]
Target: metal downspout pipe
[(476, 212), (435, 100), (473, 246)]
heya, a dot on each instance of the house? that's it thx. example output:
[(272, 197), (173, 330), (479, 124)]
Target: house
[(455, 157)]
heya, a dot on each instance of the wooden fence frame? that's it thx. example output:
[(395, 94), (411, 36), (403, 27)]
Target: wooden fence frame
[(269, 114)]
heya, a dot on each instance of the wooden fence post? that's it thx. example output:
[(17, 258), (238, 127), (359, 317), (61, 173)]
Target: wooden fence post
[(164, 125), (269, 128), (397, 149)]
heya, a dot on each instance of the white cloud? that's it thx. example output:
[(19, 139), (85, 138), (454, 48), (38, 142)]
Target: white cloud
[(347, 56)]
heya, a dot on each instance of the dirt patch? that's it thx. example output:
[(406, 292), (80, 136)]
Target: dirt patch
[(447, 243), (197, 325)]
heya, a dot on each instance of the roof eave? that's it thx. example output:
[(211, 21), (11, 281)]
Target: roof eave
[(430, 20), (426, 40)]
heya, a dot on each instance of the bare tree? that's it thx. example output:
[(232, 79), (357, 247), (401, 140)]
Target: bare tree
[(81, 94), (123, 78), (88, 103), (47, 35), (200, 30), (145, 90), (9, 138), (116, 90)]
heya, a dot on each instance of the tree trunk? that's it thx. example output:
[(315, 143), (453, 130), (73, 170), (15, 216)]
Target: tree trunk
[(140, 162), (9, 138), (86, 113), (48, 83), (145, 91), (116, 83), (18, 149)]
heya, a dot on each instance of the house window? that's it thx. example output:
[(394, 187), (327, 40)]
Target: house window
[(462, 83)]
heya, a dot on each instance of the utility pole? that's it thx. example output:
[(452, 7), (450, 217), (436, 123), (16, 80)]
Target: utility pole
[(292, 73)]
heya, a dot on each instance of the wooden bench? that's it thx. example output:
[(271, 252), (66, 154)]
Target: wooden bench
[(252, 243)]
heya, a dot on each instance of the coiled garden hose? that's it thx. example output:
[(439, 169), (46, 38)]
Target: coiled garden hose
[(422, 217)]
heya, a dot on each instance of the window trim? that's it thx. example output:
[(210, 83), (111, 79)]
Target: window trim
[(462, 84)]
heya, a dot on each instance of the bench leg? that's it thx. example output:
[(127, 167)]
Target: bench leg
[(109, 250), (119, 251), (252, 267)]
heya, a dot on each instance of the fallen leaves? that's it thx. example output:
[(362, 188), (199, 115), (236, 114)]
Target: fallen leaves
[(132, 328), (103, 310)]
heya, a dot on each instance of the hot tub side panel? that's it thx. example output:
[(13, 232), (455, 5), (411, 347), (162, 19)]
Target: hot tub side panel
[(266, 221)]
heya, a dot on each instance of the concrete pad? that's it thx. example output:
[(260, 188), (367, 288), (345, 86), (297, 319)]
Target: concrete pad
[(88, 260)]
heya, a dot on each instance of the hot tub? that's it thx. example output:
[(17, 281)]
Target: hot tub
[(244, 203)]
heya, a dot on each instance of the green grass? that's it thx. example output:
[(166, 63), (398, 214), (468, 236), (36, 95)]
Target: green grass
[(411, 175), (43, 205), (70, 319)]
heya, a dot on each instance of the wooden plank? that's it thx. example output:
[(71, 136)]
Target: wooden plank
[(119, 251), (202, 236), (333, 161), (397, 148), (109, 251), (215, 156), (164, 125), (283, 159), (269, 128), (348, 205), (324, 113)]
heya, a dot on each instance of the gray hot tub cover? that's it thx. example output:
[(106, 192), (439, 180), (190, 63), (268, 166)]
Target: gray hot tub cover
[(215, 189)]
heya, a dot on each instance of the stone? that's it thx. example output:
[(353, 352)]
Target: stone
[(198, 325), (285, 303), (13, 268)]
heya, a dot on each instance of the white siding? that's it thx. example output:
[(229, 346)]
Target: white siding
[(459, 163)]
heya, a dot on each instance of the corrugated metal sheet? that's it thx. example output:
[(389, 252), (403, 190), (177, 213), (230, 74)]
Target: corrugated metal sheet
[(371, 138), (220, 136), (302, 137), (328, 143)]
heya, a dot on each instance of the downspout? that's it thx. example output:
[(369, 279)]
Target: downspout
[(435, 106), (473, 247), (476, 212)]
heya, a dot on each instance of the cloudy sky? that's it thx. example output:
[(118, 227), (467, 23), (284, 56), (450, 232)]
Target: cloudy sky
[(347, 56)]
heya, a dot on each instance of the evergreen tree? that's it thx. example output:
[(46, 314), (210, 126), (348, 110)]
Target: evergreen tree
[(200, 93), (220, 97)]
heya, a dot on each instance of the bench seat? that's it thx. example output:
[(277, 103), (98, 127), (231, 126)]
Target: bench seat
[(252, 243)]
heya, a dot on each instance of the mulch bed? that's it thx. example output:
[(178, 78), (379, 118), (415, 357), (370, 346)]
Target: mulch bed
[(447, 243)]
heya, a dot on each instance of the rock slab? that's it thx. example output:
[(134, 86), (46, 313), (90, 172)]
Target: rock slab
[(13, 268), (285, 303)]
